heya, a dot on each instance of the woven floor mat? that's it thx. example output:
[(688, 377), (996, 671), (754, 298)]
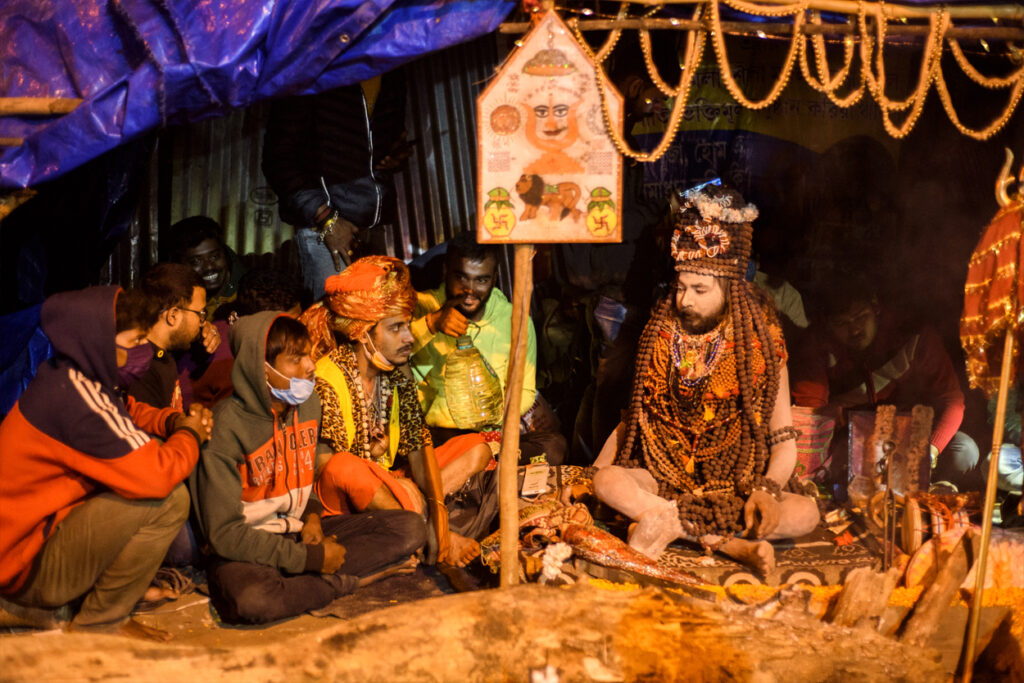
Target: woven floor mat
[(814, 560)]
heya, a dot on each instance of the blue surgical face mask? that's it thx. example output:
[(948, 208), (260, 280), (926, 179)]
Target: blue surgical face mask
[(136, 365), (298, 391)]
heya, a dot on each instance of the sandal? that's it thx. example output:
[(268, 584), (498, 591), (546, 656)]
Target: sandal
[(173, 582)]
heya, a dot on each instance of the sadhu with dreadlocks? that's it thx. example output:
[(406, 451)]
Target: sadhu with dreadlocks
[(708, 442)]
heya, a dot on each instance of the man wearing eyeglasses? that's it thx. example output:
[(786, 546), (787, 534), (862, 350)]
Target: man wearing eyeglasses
[(177, 292)]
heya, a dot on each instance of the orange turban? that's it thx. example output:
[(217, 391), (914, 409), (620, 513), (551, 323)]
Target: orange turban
[(356, 299)]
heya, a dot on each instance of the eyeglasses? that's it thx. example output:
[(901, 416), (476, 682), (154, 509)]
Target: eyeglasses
[(201, 314)]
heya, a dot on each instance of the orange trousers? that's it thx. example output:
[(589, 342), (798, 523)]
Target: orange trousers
[(348, 482)]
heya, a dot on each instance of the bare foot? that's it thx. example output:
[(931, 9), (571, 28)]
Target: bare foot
[(407, 567), (463, 550), (758, 555), (656, 528), (129, 629), (155, 593)]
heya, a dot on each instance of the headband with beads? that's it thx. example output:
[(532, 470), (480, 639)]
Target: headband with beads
[(713, 231)]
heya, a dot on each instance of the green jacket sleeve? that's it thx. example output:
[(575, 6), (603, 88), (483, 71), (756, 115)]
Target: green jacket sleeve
[(426, 303)]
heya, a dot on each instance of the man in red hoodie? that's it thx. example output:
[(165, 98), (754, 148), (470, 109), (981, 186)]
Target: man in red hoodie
[(89, 502)]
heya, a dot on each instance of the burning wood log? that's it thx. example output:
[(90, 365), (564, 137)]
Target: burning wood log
[(934, 603), (865, 597)]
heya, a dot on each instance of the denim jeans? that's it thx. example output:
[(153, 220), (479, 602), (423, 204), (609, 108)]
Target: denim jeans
[(958, 463), (1011, 469), (359, 201)]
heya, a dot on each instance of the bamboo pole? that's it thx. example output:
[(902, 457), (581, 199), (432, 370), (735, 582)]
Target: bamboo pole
[(1011, 12), (974, 618), (778, 28), (37, 106), (508, 465)]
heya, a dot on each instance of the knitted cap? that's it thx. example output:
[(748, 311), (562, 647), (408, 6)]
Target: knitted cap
[(713, 231)]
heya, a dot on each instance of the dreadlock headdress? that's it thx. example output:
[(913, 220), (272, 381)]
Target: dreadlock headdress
[(713, 231), (356, 299)]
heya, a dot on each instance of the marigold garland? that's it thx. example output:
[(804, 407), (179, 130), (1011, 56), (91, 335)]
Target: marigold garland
[(871, 22)]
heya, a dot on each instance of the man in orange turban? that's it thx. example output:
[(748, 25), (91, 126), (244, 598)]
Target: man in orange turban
[(371, 413)]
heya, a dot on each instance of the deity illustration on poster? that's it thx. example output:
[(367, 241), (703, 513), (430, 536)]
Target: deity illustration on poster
[(548, 170)]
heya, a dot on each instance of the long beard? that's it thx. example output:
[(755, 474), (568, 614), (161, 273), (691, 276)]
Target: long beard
[(693, 323)]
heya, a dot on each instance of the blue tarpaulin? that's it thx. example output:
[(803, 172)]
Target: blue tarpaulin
[(23, 348), (140, 65)]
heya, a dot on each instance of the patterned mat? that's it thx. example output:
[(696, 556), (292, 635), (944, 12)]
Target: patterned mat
[(814, 560)]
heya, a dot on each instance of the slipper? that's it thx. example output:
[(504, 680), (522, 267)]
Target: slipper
[(173, 582)]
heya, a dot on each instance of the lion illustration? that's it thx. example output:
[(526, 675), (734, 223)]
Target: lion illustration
[(559, 199)]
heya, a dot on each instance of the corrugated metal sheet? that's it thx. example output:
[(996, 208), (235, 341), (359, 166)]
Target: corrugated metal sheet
[(215, 171), (212, 168), (434, 194)]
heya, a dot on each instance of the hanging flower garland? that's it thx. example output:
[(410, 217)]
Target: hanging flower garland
[(825, 82), (870, 21), (718, 40), (694, 55)]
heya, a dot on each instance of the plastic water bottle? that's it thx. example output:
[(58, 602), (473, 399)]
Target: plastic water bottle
[(471, 388)]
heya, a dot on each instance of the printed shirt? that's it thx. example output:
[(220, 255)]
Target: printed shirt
[(344, 424)]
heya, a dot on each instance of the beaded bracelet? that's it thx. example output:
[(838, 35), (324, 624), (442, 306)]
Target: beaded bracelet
[(782, 434), (769, 486)]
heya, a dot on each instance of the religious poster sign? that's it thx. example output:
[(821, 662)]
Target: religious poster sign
[(547, 170)]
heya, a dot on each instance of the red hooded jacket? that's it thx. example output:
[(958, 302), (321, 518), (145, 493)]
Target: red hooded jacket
[(71, 436)]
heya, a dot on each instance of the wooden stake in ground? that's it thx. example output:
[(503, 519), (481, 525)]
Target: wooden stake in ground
[(986, 522), (508, 466)]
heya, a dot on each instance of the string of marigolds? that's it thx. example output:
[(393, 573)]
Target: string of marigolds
[(694, 55), (870, 22), (825, 82)]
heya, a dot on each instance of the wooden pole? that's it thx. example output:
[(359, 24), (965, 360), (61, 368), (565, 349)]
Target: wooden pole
[(508, 466), (985, 12), (779, 28), (37, 106), (974, 618)]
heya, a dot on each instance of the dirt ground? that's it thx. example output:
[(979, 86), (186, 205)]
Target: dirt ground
[(195, 623), (524, 634)]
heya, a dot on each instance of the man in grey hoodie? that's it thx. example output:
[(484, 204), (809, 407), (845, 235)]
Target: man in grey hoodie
[(254, 490)]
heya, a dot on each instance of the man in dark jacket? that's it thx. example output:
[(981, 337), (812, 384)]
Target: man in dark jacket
[(327, 157), (254, 490), (88, 501), (179, 297)]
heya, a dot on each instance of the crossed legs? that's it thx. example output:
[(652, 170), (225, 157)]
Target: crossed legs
[(633, 492)]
